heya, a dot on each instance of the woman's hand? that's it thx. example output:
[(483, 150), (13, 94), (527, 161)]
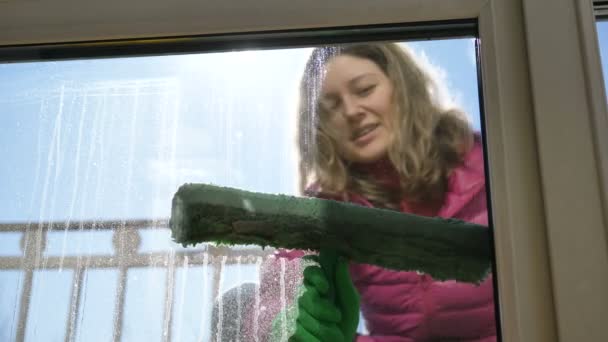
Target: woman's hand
[(320, 319)]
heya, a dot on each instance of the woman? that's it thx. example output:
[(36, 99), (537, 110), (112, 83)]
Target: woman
[(371, 131)]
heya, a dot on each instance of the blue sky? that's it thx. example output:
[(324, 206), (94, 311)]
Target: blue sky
[(602, 32), (114, 138)]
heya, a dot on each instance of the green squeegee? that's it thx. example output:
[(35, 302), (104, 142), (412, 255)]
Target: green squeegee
[(442, 248)]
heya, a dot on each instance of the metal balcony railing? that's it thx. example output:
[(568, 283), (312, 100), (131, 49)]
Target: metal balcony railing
[(126, 241)]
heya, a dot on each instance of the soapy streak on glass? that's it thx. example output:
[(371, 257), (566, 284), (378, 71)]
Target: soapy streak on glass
[(112, 139)]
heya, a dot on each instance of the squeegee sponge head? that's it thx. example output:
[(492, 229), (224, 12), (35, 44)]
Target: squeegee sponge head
[(442, 248)]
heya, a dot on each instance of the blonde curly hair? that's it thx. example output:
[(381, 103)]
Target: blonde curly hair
[(429, 142)]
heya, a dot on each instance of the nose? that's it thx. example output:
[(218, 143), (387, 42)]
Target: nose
[(352, 108)]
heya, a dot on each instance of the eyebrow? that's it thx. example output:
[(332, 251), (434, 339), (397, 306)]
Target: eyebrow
[(357, 78), (352, 81)]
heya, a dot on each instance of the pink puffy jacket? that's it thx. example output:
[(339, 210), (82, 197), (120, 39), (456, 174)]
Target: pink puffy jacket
[(408, 306)]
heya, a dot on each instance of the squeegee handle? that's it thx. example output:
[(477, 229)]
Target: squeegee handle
[(328, 258)]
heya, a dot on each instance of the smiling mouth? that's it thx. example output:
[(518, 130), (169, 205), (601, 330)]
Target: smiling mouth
[(363, 131)]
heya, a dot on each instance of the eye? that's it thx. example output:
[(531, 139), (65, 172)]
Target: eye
[(364, 91), (330, 104)]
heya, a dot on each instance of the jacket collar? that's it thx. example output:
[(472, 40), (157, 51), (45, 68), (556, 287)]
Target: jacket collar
[(464, 183)]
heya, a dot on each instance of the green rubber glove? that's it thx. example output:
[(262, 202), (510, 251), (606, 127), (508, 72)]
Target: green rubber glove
[(328, 310)]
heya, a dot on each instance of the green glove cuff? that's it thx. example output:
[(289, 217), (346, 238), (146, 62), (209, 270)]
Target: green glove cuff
[(284, 324)]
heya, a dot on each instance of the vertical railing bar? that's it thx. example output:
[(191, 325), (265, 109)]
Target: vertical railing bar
[(31, 240), (122, 252), (24, 305), (258, 263), (217, 274), (215, 254), (169, 294), (74, 303), (219, 299), (120, 302), (239, 308)]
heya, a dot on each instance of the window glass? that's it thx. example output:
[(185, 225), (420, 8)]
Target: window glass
[(10, 289), (144, 297), (49, 311), (93, 151), (602, 35), (95, 318), (11, 244)]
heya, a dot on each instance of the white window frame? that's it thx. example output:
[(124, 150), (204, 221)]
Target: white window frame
[(569, 102), (545, 121)]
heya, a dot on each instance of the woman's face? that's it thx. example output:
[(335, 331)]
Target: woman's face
[(358, 99)]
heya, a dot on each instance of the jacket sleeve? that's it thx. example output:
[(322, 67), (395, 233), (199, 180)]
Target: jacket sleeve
[(361, 338), (281, 276), (280, 280)]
